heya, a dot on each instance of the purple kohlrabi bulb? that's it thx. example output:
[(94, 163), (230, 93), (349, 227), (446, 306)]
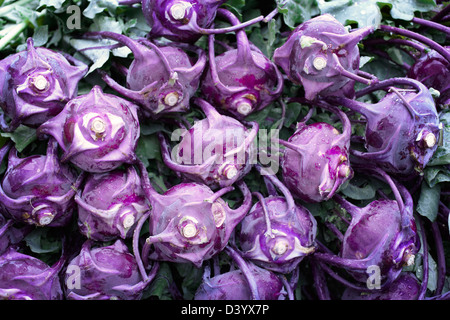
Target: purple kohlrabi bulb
[(216, 151), (233, 285), (243, 80), (38, 189), (323, 57), (24, 277), (315, 162), (11, 233), (105, 273), (97, 131), (433, 71), (110, 204), (35, 84), (189, 222), (160, 79), (277, 233), (185, 20), (402, 129), (405, 287), (381, 235)]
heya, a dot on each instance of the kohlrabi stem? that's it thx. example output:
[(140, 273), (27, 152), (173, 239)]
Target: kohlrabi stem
[(289, 290), (263, 203), (12, 34), (440, 257), (136, 251), (425, 276), (413, 35), (287, 194), (432, 24), (441, 14), (320, 282), (128, 2), (243, 44), (4, 10), (236, 27), (405, 42), (246, 271), (271, 15), (337, 277)]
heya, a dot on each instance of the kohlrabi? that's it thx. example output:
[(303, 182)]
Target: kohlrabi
[(277, 233), (315, 162), (402, 129), (161, 79), (38, 189), (186, 20), (97, 131), (433, 71), (247, 282), (216, 151), (381, 235), (190, 222), (11, 232), (35, 84), (242, 80), (107, 272), (24, 277), (110, 204), (323, 56)]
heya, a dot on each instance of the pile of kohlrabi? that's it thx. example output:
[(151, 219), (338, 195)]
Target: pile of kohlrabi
[(224, 150)]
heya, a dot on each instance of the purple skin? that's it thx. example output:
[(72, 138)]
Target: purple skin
[(216, 151), (405, 287), (315, 162), (11, 233), (110, 204), (185, 20), (402, 129), (240, 81), (23, 277), (323, 57), (383, 234), (38, 189), (97, 131), (433, 71), (106, 273), (190, 222), (277, 233), (160, 79), (248, 282), (35, 84)]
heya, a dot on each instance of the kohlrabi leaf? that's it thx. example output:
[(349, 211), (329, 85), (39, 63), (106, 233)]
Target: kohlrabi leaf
[(297, 11), (442, 154), (428, 203), (362, 12), (405, 9), (22, 137), (97, 6)]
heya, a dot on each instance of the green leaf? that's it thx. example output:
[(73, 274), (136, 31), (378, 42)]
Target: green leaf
[(436, 174), (97, 6), (428, 203), (22, 137), (405, 9), (57, 4), (159, 287), (297, 11), (43, 240), (362, 12), (442, 154)]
